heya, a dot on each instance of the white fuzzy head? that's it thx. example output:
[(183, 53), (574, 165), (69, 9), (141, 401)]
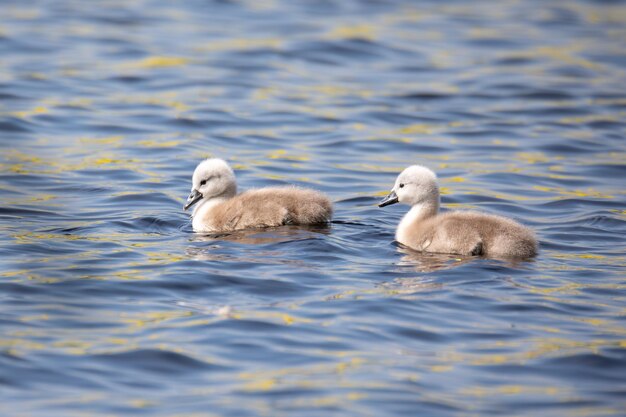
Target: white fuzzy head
[(212, 178), (415, 185)]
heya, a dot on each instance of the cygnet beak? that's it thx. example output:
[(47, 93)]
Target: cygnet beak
[(392, 198), (193, 198)]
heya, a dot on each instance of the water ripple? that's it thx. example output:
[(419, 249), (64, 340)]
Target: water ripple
[(111, 305)]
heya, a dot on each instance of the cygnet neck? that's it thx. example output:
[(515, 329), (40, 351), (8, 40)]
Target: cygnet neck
[(424, 210), (418, 212)]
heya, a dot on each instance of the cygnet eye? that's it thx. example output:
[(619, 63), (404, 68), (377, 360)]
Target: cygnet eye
[(401, 185), (202, 182)]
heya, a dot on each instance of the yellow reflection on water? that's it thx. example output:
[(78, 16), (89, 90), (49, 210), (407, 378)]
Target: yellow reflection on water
[(153, 318), (24, 163), (484, 391), (32, 112), (358, 31), (441, 368), (22, 13), (533, 158), (239, 44), (142, 403), (20, 345), (566, 54), (315, 376), (617, 117), (454, 179), (161, 61), (573, 193), (283, 154), (160, 144), (107, 140), (534, 349), (260, 385), (420, 128)]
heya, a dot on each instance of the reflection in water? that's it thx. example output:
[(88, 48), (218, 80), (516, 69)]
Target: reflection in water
[(215, 247), (430, 262), (222, 311), (411, 285), (266, 236)]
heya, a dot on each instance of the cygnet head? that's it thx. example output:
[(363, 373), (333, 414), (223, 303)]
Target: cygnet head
[(415, 185), (212, 178)]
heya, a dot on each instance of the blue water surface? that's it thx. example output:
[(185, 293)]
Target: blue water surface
[(110, 305)]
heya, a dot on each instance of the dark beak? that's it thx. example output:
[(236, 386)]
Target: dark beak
[(392, 198), (193, 198)]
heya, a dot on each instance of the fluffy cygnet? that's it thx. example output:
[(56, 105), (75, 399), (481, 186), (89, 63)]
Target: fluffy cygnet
[(458, 232), (220, 209)]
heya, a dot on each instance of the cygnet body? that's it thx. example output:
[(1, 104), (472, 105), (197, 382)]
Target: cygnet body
[(220, 209), (457, 232)]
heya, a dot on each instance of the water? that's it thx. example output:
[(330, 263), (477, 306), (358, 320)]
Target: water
[(111, 305)]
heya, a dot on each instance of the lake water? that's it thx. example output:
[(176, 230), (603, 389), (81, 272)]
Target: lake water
[(111, 305)]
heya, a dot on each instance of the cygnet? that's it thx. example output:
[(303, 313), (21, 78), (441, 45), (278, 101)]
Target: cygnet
[(220, 209), (457, 232)]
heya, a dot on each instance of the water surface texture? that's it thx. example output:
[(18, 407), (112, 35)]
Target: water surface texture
[(111, 305)]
